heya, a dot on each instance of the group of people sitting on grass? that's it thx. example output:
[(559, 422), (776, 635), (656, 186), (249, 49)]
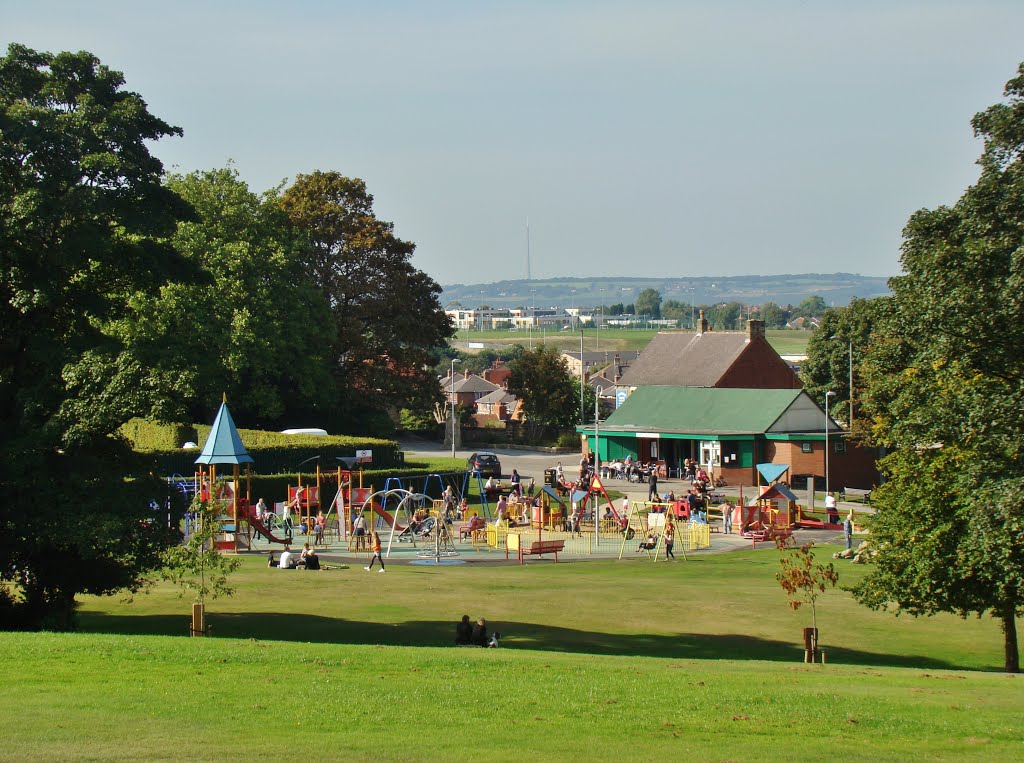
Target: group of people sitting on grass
[(307, 560), (468, 634)]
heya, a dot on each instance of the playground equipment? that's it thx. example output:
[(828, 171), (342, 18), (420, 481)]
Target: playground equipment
[(642, 523), (769, 515), (224, 446)]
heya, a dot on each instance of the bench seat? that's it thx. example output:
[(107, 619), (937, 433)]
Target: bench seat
[(514, 542)]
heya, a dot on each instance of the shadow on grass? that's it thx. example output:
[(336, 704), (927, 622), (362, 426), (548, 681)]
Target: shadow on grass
[(272, 626)]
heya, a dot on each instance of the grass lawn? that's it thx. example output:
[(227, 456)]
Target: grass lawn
[(785, 342), (612, 660)]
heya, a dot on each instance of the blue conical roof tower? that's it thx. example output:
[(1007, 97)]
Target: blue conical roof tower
[(224, 446)]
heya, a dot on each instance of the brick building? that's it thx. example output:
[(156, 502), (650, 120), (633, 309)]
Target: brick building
[(730, 402)]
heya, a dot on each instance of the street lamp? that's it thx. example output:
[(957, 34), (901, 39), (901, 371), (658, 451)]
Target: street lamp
[(454, 361), (850, 425), (582, 373), (828, 394)]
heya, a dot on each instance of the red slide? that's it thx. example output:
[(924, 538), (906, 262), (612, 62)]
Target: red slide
[(261, 528), (385, 516)]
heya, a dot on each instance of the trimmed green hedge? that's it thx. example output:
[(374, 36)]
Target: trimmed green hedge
[(288, 459), (149, 435)]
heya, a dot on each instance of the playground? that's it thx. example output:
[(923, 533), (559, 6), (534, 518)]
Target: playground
[(621, 656), (456, 517)]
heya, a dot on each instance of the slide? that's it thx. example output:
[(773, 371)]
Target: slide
[(262, 529), (385, 516)]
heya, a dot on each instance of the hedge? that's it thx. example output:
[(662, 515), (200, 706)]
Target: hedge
[(273, 488), (149, 435)]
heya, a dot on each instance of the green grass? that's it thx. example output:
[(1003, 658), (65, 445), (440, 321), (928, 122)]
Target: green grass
[(609, 660), (785, 342)]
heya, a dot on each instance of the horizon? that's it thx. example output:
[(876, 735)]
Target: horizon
[(658, 137)]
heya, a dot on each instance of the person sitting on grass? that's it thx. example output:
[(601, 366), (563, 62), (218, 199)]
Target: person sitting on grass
[(480, 637), (464, 632), (308, 558), (287, 560)]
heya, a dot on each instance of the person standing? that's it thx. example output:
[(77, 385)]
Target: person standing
[(831, 510), (726, 508), (670, 540), (376, 554), (848, 530), (652, 486), (359, 531)]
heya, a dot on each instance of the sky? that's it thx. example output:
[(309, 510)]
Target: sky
[(632, 139)]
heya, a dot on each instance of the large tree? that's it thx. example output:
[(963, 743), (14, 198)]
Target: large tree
[(387, 314), (550, 394), (83, 218), (254, 325), (945, 386), (835, 352), (648, 302)]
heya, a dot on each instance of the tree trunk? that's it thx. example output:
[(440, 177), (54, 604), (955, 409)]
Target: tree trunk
[(1012, 657)]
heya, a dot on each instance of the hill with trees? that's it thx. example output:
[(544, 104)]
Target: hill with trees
[(836, 289)]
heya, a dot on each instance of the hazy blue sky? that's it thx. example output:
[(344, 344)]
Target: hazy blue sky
[(641, 138)]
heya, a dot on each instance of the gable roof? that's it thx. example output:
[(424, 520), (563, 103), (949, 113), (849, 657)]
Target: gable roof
[(466, 384), (685, 359), (716, 411), (223, 445), (498, 396)]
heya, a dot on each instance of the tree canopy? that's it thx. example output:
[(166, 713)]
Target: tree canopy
[(648, 302), (844, 331), (550, 394), (945, 388), (387, 315), (84, 221)]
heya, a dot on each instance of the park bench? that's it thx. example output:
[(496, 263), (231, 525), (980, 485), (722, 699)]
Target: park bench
[(514, 542), (850, 493)]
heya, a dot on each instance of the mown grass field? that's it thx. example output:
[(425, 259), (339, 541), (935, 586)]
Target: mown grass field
[(697, 660), (785, 342)]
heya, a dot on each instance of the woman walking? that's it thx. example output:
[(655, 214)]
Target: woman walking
[(376, 554)]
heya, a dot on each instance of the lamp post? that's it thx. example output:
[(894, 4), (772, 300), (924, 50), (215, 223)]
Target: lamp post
[(582, 374), (454, 361), (850, 361), (828, 394)]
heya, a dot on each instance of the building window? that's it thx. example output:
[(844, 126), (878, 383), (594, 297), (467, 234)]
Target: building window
[(840, 445), (711, 453), (806, 447)]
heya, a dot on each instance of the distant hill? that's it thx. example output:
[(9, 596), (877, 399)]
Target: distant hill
[(836, 289)]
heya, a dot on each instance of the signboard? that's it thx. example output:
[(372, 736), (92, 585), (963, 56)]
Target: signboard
[(476, 345), (364, 456), (620, 396)]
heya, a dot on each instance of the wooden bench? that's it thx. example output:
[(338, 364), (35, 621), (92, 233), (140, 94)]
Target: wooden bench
[(848, 494), (514, 542)]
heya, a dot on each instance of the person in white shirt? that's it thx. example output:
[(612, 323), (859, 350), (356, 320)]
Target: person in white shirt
[(287, 561)]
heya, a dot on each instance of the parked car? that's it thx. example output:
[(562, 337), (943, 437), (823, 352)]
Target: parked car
[(486, 463)]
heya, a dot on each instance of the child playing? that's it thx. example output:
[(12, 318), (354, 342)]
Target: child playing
[(376, 554)]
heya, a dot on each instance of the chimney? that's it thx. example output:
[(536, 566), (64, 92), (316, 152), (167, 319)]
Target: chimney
[(703, 323), (465, 374), (755, 330)]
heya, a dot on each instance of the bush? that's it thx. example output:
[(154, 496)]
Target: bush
[(150, 435), (568, 440)]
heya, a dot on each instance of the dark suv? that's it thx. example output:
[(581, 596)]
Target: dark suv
[(486, 463)]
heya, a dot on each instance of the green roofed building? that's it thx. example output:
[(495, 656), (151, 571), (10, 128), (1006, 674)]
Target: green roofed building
[(728, 402)]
